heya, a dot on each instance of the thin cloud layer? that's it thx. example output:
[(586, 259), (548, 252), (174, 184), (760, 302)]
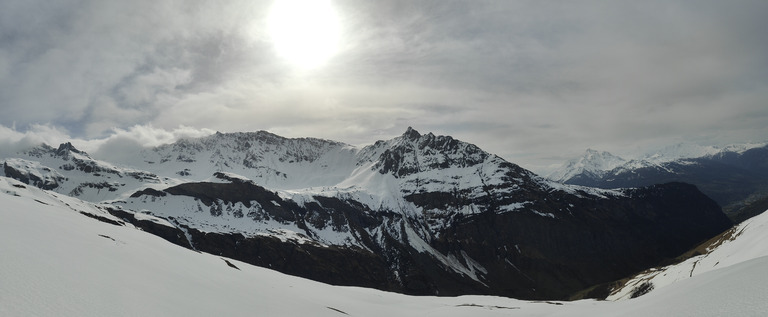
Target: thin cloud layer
[(535, 82), (113, 148)]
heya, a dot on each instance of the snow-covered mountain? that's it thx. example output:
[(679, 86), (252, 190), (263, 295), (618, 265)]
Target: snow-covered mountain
[(69, 171), (62, 257), (691, 151), (420, 214), (682, 151), (593, 162), (735, 176)]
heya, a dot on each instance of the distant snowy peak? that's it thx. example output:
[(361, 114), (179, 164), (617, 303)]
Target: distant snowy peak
[(741, 148), (680, 151), (596, 164), (692, 151), (592, 162)]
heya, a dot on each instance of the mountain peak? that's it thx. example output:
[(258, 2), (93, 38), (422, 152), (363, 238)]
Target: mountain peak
[(66, 148), (411, 134), (593, 161)]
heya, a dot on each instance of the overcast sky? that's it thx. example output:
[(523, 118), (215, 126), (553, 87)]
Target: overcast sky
[(536, 82)]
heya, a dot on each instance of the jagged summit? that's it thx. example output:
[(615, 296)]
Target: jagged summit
[(66, 148), (411, 134), (414, 152)]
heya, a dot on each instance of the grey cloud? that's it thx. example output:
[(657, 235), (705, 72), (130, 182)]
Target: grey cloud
[(528, 80), (70, 59)]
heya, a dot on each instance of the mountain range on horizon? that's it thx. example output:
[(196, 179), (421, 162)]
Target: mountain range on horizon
[(417, 214), (736, 176)]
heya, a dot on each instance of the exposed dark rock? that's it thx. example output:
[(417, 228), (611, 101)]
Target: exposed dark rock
[(526, 254), (245, 193), (401, 159), (602, 241), (343, 266), (102, 219), (641, 290), (149, 192), (77, 191), (30, 178), (230, 264), (66, 148), (172, 234)]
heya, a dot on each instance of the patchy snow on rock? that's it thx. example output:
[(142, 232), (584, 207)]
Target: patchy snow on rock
[(450, 261)]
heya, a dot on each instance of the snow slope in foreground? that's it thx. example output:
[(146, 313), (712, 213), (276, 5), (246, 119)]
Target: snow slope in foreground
[(57, 262)]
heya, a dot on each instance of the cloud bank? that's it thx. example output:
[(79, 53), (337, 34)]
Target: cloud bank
[(113, 148), (535, 82)]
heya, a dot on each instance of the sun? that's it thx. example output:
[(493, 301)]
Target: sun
[(304, 32)]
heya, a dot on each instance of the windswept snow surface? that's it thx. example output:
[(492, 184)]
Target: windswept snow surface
[(57, 262)]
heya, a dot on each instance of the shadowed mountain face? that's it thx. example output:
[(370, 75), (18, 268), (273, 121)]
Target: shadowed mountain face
[(419, 214)]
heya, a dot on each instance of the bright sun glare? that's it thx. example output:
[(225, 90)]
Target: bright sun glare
[(305, 32)]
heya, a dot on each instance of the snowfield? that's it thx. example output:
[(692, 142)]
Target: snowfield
[(57, 262)]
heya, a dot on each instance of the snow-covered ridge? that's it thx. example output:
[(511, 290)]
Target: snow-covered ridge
[(680, 151), (692, 151), (594, 162), (268, 159), (33, 172), (741, 148), (69, 171)]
